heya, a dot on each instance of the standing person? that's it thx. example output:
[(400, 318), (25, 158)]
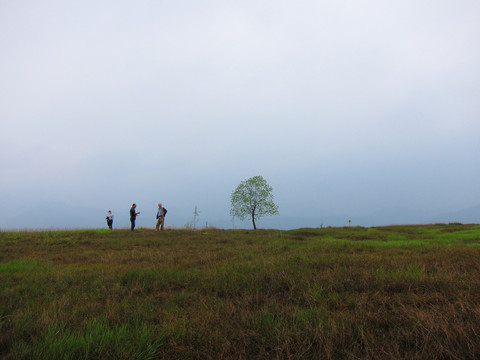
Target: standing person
[(161, 212), (133, 216), (109, 219)]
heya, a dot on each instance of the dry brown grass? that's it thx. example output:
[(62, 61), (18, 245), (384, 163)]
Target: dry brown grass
[(380, 293)]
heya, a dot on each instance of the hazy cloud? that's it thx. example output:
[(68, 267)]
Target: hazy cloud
[(342, 106)]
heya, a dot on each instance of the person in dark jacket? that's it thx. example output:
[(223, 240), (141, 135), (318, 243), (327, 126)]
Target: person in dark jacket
[(133, 216)]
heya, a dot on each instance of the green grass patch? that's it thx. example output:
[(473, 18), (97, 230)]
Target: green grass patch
[(97, 341), (16, 266)]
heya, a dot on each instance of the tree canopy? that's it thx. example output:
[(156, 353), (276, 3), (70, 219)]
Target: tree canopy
[(253, 198)]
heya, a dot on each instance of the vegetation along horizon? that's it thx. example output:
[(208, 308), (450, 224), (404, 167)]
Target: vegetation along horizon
[(333, 293)]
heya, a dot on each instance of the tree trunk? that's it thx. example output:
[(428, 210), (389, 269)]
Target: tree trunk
[(253, 220)]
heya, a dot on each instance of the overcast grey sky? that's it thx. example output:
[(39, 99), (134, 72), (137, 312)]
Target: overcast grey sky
[(342, 106)]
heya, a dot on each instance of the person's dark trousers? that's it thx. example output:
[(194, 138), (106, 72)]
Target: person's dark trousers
[(133, 224), (110, 223)]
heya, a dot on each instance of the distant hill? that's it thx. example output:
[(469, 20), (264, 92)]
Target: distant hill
[(63, 216), (467, 216), (56, 216)]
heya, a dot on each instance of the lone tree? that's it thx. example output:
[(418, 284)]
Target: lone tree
[(253, 198)]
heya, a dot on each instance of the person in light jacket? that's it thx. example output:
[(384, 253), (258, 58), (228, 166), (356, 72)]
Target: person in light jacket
[(161, 212)]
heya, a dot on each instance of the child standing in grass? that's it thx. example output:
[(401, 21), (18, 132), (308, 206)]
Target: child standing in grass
[(109, 219)]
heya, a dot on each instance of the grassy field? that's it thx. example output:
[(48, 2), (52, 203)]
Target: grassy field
[(334, 293)]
